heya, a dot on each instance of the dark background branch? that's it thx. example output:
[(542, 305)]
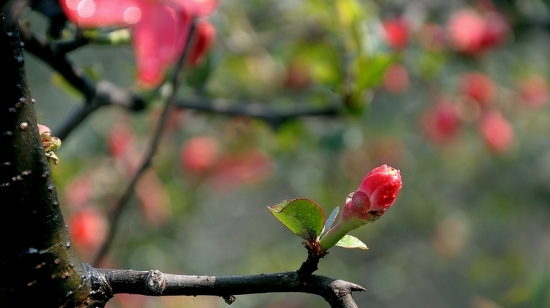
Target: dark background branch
[(58, 61), (116, 211), (257, 110), (106, 93)]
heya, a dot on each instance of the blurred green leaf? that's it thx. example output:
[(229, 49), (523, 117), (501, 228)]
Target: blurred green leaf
[(198, 76), (349, 241), (370, 70), (349, 11), (303, 217), (321, 60)]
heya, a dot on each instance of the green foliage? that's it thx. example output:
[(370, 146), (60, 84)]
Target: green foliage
[(303, 217), (349, 241)]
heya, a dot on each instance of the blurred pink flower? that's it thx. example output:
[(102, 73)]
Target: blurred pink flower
[(497, 132), (159, 27), (441, 122)]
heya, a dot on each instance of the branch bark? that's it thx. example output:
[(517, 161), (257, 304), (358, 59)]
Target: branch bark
[(39, 266), (154, 283), (257, 110)]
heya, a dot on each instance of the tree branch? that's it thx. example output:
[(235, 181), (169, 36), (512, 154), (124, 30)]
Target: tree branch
[(58, 61), (116, 211), (106, 93), (39, 265), (257, 110), (154, 283)]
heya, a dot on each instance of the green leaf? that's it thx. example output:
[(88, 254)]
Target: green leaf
[(330, 220), (349, 241), (370, 70), (303, 217)]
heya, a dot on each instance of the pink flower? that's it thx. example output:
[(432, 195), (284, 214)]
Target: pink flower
[(472, 33), (396, 79), (87, 229), (497, 132), (199, 154), (466, 31), (478, 86), (396, 32), (372, 199), (382, 186), (159, 28), (441, 122)]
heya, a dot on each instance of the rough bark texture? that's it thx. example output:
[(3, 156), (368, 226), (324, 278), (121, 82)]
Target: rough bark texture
[(39, 266)]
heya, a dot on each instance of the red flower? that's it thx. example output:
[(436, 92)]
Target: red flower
[(472, 33), (120, 140), (199, 154), (396, 32), (441, 123), (159, 27), (87, 229), (374, 196), (204, 36), (478, 86), (497, 132), (396, 78), (466, 30), (496, 30), (382, 186)]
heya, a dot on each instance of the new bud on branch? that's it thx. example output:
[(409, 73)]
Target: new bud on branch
[(374, 196)]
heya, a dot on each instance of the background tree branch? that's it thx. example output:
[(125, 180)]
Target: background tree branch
[(116, 211)]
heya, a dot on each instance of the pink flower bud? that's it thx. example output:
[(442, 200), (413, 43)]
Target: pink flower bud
[(374, 196), (382, 186), (43, 129)]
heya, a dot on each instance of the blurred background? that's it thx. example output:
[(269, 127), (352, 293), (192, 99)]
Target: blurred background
[(454, 94)]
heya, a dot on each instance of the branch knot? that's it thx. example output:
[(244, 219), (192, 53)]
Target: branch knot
[(155, 282)]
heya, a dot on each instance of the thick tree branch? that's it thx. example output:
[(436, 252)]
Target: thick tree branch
[(154, 283), (39, 265)]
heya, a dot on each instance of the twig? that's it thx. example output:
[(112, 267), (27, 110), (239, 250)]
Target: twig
[(116, 211), (78, 41), (309, 266), (58, 61), (256, 110), (106, 93), (154, 283)]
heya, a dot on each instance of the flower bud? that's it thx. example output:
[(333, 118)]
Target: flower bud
[(374, 196), (382, 185)]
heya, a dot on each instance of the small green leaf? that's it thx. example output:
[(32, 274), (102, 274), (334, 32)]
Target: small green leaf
[(303, 217), (330, 220), (370, 70), (349, 241)]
